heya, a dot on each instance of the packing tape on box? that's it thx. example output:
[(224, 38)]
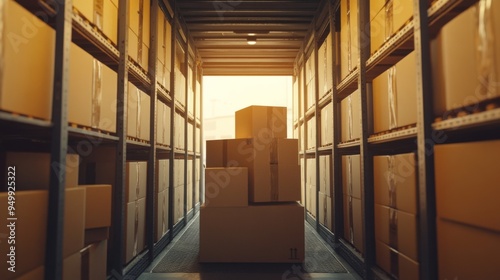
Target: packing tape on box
[(393, 228), (394, 259), (392, 98), (163, 212), (351, 222), (273, 151), (391, 180), (350, 118), (224, 153), (96, 93), (98, 13), (138, 116), (274, 182), (349, 175), (486, 51), (274, 123), (135, 250), (325, 68), (349, 41), (389, 19), (137, 184), (141, 31)]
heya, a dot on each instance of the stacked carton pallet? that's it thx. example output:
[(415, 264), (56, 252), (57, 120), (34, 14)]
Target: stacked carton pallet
[(252, 185)]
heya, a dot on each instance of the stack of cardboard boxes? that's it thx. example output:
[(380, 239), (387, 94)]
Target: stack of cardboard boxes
[(87, 218), (252, 185), (351, 188)]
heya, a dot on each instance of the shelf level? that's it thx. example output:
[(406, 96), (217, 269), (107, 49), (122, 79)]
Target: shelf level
[(393, 136)]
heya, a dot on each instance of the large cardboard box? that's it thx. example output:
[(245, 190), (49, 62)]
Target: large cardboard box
[(350, 110), (311, 133), (395, 181), (394, 96), (261, 122), (31, 228), (396, 264), (136, 227), (351, 176), (397, 229), (81, 86), (71, 269), (467, 252), (105, 17), (162, 214), (226, 187), (33, 170), (257, 157), (353, 222), (178, 203), (136, 184), (349, 52), (325, 210), (94, 261), (327, 125), (326, 175), (264, 233), (21, 56), (162, 173), (465, 76), (97, 206), (460, 169), (107, 120)]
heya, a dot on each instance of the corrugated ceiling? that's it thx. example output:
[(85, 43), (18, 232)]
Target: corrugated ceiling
[(220, 30)]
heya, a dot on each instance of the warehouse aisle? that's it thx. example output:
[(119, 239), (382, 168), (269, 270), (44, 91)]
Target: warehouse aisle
[(180, 261)]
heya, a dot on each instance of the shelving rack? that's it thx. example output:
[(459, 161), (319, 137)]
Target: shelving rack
[(428, 18), (58, 137)]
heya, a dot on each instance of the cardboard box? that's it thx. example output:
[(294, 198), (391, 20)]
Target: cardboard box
[(107, 121), (325, 77), (311, 200), (95, 235), (22, 56), (94, 261), (256, 156), (136, 184), (460, 82), (162, 214), (226, 187), (284, 151), (302, 181), (105, 19), (396, 264), (163, 125), (97, 206), (144, 124), (162, 173), (33, 170), (399, 110), (133, 99), (459, 169), (261, 122), (311, 133), (178, 203), (326, 175), (71, 269), (397, 229), (353, 221), (350, 110), (325, 210), (81, 86), (351, 176), (31, 228), (395, 181), (466, 252), (136, 227), (349, 52), (265, 233), (327, 125)]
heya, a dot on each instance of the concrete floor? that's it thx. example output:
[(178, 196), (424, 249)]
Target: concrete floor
[(287, 275)]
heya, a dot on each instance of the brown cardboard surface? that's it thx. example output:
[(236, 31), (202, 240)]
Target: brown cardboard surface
[(71, 270), (393, 263), (406, 84), (404, 237), (311, 199), (401, 14), (110, 20), (353, 228), (162, 214), (137, 180), (145, 117), (266, 233), (345, 34), (80, 86), (162, 173), (136, 226), (284, 151), (23, 56), (107, 121), (226, 187), (457, 79), (178, 203), (74, 220), (467, 188), (95, 235), (33, 170), (94, 260), (261, 122), (405, 182), (311, 133), (380, 92), (327, 125), (351, 182), (102, 165), (132, 109), (466, 252), (288, 183), (325, 210), (35, 274), (355, 123), (377, 26), (97, 206)]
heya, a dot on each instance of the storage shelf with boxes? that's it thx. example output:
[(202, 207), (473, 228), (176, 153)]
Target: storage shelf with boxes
[(257, 177)]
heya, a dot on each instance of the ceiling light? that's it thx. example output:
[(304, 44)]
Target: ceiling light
[(251, 34), (251, 40)]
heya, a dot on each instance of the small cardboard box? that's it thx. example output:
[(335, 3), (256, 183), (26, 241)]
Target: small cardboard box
[(395, 181), (396, 264), (466, 252), (460, 169), (261, 122), (397, 229), (97, 206), (226, 187), (351, 176), (259, 234), (137, 180), (136, 227)]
